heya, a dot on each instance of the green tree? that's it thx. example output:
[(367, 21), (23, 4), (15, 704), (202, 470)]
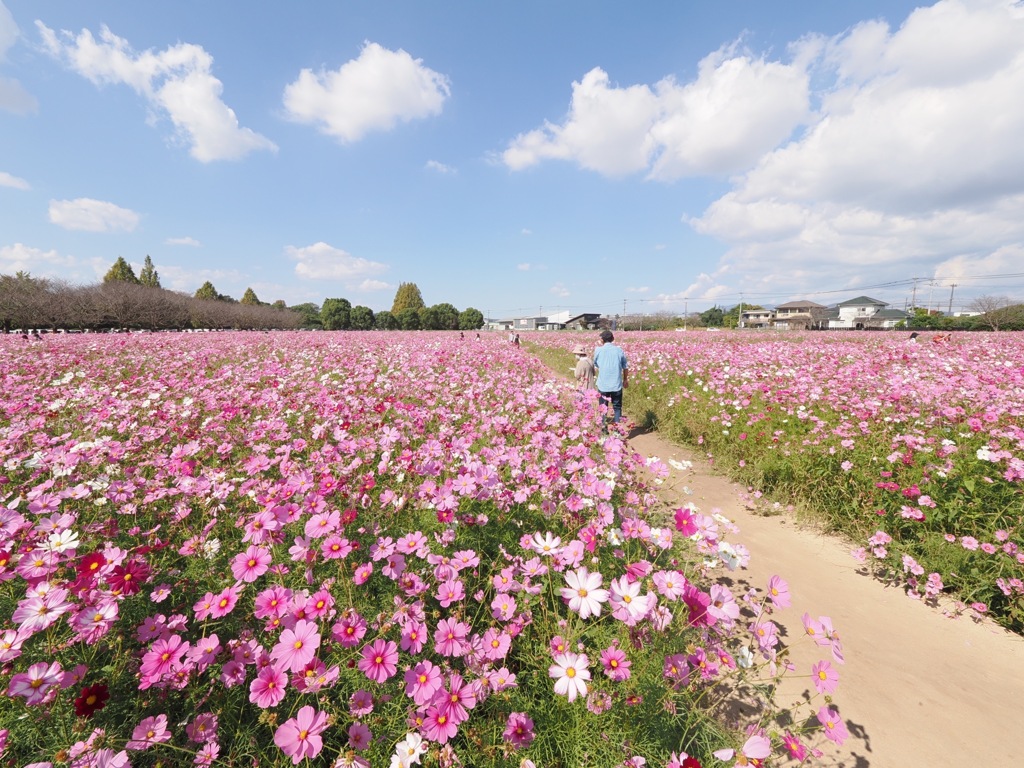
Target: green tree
[(471, 319), (279, 304), (408, 319), (712, 318), (121, 272), (310, 314), (335, 314), (362, 318), (407, 297), (385, 320), (249, 298), (149, 276), (207, 292), (447, 317), (430, 320)]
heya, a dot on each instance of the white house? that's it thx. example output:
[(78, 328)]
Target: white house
[(799, 315), (864, 312)]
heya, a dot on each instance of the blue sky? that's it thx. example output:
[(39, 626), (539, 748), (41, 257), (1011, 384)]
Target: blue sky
[(520, 158)]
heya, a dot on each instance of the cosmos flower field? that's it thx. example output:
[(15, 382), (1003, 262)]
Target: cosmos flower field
[(363, 549), (914, 449)]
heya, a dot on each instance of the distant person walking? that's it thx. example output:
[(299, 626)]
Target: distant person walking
[(612, 372), (584, 371)]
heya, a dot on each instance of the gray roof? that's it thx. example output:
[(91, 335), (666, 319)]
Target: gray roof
[(861, 301)]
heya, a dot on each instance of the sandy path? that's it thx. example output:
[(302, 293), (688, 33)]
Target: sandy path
[(918, 688)]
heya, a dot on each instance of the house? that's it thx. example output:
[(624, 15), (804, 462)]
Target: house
[(863, 313), (757, 318), (799, 315), (585, 322)]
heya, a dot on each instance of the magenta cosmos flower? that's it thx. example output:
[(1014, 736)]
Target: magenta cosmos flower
[(570, 672), (519, 730), (380, 660), (299, 737)]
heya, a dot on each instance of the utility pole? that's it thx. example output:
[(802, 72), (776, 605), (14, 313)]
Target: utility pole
[(951, 287), (739, 317), (913, 295), (686, 312), (931, 288)]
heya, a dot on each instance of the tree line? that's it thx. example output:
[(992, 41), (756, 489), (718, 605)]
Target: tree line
[(126, 301)]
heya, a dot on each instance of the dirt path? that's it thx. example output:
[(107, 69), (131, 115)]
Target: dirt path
[(918, 688)]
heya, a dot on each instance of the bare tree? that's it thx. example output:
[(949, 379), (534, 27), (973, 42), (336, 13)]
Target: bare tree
[(996, 311)]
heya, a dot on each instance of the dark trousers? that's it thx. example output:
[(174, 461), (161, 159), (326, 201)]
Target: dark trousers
[(615, 399)]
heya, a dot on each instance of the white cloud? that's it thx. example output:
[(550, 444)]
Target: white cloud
[(912, 167), (7, 180), (321, 261), (524, 267), (13, 97), (526, 231), (23, 258), (559, 290), (374, 285), (737, 108), (640, 289), (177, 82), (190, 241), (371, 93), (87, 215), (434, 165)]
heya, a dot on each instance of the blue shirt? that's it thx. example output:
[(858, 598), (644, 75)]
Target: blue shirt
[(610, 362)]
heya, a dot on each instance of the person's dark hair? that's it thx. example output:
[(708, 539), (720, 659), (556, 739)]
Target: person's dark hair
[(607, 336)]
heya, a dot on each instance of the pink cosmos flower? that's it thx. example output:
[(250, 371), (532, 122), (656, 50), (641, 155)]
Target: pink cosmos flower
[(450, 636), (268, 689), (380, 660), (152, 730), (362, 573), (250, 565), (832, 725), (225, 602), (778, 592), (616, 665), (570, 672), (584, 593), (350, 630), (457, 699), (359, 736), (413, 637), (272, 601), (755, 748), (299, 737), (422, 682), (519, 730), (297, 646), (203, 728), (36, 682), (451, 591), (360, 703), (825, 678), (503, 606), (438, 726)]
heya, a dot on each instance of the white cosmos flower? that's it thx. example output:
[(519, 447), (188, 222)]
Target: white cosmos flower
[(584, 592), (62, 541), (570, 672)]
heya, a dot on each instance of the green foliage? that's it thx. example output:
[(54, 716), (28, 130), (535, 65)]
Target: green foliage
[(121, 272), (408, 319), (249, 298), (362, 318), (471, 319), (407, 297), (447, 317), (335, 314), (206, 292), (310, 314), (712, 318), (149, 276), (430, 320), (385, 321)]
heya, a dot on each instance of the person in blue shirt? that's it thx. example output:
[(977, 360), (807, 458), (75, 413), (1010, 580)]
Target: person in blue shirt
[(612, 372)]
